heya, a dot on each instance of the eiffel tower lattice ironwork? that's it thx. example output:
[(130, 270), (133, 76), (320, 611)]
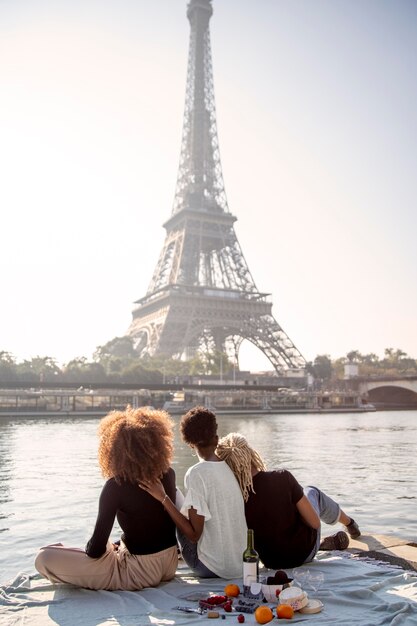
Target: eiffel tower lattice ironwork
[(202, 296)]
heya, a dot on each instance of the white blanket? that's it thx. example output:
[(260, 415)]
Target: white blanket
[(354, 592)]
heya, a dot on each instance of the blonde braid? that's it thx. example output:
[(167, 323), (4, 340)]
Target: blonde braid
[(240, 457)]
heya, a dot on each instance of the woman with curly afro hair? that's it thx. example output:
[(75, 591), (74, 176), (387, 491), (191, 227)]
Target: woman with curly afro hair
[(211, 524), (136, 445)]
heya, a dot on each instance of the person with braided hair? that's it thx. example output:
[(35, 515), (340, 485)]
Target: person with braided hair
[(286, 519)]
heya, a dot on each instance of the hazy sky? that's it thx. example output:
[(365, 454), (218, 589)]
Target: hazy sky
[(317, 107)]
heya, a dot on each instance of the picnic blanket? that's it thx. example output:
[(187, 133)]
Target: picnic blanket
[(353, 591)]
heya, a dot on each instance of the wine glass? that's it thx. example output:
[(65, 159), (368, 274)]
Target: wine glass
[(300, 575), (315, 580), (308, 579)]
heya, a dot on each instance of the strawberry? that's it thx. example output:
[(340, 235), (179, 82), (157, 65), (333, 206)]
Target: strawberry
[(214, 600), (240, 618)]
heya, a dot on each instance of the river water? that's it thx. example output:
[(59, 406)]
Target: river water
[(50, 480)]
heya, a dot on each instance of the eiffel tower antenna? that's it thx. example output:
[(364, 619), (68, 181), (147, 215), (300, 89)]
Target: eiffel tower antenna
[(202, 296)]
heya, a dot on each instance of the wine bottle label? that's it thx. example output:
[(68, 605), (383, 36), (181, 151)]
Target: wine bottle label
[(250, 571)]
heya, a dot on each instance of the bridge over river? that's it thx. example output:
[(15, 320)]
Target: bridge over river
[(390, 392)]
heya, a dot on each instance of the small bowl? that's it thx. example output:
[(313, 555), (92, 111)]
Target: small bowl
[(270, 591)]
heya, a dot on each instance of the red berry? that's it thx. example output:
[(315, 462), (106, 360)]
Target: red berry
[(240, 618), (228, 607), (218, 599), (277, 592)]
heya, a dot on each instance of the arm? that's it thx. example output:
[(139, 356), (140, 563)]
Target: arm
[(307, 512), (107, 508), (191, 527)]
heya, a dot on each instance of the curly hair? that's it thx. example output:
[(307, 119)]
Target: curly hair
[(198, 426), (241, 458), (135, 444)]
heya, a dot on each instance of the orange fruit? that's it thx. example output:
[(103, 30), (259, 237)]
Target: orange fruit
[(285, 611), (263, 614), (232, 591)]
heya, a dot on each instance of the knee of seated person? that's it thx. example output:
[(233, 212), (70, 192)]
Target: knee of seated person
[(311, 492), (40, 561)]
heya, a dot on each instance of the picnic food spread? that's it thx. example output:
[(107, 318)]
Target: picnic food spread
[(276, 590)]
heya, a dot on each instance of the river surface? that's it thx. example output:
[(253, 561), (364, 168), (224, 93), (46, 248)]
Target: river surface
[(50, 480)]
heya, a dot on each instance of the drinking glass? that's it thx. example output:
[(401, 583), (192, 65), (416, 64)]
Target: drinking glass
[(300, 576), (308, 579), (315, 580)]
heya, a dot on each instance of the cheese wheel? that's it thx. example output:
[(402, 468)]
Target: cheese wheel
[(313, 606), (294, 596)]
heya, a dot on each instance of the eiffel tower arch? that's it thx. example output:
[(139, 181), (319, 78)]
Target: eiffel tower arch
[(202, 295)]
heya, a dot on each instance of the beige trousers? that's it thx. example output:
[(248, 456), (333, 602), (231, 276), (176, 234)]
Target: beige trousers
[(113, 570)]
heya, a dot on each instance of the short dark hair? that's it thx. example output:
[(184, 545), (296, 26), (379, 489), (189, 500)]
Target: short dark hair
[(198, 426)]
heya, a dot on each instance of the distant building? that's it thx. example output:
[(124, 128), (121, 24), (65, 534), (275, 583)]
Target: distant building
[(351, 370)]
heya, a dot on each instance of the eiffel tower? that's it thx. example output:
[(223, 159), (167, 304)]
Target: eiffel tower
[(202, 296)]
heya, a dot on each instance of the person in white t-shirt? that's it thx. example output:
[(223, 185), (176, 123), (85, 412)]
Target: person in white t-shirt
[(211, 526)]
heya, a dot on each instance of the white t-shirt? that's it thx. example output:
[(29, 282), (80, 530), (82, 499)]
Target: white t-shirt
[(213, 491)]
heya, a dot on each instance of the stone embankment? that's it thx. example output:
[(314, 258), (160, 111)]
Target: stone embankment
[(401, 552)]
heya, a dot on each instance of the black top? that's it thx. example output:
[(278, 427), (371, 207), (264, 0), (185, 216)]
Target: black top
[(282, 538), (147, 527)]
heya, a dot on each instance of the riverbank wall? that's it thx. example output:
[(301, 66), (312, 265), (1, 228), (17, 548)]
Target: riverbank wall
[(176, 399)]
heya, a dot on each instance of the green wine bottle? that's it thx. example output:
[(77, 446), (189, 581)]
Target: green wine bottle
[(250, 564)]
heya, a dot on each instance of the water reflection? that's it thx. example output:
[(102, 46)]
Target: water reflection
[(50, 480), (6, 468)]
